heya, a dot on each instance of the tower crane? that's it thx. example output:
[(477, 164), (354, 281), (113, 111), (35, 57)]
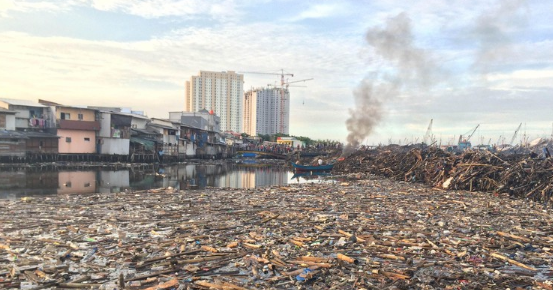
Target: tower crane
[(515, 135), (281, 74), (428, 132), (283, 100), (287, 83)]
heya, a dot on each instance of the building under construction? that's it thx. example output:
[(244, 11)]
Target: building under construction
[(267, 111)]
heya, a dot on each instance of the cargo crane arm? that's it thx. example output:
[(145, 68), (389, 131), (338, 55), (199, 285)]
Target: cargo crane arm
[(468, 138), (428, 132), (515, 135)]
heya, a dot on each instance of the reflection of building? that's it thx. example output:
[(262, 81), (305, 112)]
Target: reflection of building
[(266, 111), (113, 181), (251, 177), (20, 183), (221, 92), (77, 182)]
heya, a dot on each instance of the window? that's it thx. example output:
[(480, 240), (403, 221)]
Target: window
[(68, 139), (68, 184), (87, 139), (80, 116), (65, 116)]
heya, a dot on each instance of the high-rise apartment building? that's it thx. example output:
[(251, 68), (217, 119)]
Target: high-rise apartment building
[(222, 92), (267, 111)]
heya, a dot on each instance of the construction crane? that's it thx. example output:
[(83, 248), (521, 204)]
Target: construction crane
[(282, 93), (287, 83), (281, 74), (284, 90), (465, 143), (428, 134), (515, 135)]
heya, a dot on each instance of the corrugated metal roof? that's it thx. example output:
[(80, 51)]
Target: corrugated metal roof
[(25, 135), (124, 114), (28, 103), (32, 134), (6, 111), (148, 144), (9, 134)]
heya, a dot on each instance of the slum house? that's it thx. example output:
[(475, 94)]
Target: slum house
[(77, 128), (145, 145), (41, 147), (203, 130), (12, 146), (31, 120), (188, 135), (114, 137), (29, 115), (170, 132), (7, 119)]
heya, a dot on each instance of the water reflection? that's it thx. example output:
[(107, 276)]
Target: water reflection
[(24, 182)]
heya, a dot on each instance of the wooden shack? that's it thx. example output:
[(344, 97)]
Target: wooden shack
[(12, 146)]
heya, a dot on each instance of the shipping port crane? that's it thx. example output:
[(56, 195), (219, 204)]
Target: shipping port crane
[(515, 135), (465, 143)]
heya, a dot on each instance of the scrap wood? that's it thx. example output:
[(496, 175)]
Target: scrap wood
[(309, 263), (166, 285), (314, 259), (345, 258), (349, 235), (514, 237), (80, 285), (511, 261), (221, 286)]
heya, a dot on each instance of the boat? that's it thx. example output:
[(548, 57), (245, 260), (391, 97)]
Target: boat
[(300, 168), (310, 175)]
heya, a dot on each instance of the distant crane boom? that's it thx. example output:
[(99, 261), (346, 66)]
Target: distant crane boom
[(515, 134), (428, 134), (281, 74), (468, 138)]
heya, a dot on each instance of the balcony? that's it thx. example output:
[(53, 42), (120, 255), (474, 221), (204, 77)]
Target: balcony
[(78, 125)]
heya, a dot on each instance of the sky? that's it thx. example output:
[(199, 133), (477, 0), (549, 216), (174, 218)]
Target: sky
[(381, 69)]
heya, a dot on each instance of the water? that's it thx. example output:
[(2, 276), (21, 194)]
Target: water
[(20, 183)]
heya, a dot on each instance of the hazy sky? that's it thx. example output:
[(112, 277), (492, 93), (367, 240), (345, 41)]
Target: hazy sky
[(485, 62)]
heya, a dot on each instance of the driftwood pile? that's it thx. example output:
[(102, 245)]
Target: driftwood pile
[(517, 175)]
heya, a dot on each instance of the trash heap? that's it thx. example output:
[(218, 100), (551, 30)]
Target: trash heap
[(349, 234), (517, 175)]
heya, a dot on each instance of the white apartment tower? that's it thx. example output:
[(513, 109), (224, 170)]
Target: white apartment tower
[(267, 111), (220, 92)]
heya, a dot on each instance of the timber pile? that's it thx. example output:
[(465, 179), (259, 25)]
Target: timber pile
[(517, 175), (352, 234)]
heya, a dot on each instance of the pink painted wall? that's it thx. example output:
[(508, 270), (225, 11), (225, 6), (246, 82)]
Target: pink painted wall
[(78, 143)]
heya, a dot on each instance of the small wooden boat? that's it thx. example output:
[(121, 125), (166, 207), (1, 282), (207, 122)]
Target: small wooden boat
[(303, 168), (310, 175)]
